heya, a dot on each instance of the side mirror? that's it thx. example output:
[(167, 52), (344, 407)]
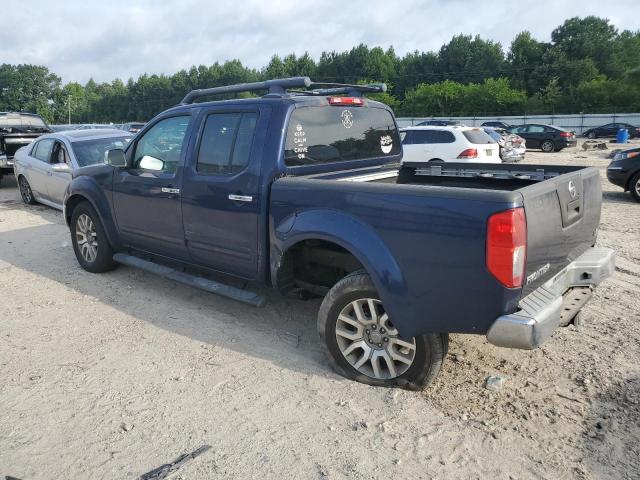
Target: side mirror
[(151, 163), (61, 168), (115, 157)]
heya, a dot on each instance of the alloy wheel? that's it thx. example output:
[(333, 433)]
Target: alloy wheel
[(370, 343), (547, 146), (86, 238), (25, 191)]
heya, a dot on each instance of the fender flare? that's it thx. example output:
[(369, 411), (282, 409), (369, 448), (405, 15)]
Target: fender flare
[(87, 189), (357, 238)]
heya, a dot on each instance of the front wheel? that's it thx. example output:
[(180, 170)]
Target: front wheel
[(592, 135), (90, 242), (25, 191), (362, 343), (634, 187), (547, 146)]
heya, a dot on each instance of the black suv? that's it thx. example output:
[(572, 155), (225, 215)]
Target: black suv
[(17, 130), (547, 138)]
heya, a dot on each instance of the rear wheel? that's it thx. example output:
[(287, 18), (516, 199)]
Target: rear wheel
[(634, 187), (90, 242), (362, 343), (547, 146), (25, 191)]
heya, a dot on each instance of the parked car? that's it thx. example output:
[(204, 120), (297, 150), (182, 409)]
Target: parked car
[(548, 138), (496, 124), (611, 130), (448, 144), (304, 192), (438, 123), (512, 147), (131, 127), (16, 130), (624, 171), (44, 169)]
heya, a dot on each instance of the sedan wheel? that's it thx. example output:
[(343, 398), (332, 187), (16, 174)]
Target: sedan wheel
[(592, 135), (547, 146), (25, 191), (370, 343)]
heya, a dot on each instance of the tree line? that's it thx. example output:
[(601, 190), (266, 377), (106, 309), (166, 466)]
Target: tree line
[(588, 66)]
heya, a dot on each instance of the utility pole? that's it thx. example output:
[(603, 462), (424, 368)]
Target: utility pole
[(69, 103)]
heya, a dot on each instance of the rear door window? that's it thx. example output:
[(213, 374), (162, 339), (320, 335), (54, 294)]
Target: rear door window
[(442, 136), (478, 137), (226, 142), (328, 134)]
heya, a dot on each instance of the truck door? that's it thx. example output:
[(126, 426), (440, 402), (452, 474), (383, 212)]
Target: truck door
[(221, 198), (146, 194)]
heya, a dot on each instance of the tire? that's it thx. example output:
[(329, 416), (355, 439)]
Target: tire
[(634, 187), (591, 135), (422, 356), (25, 191), (547, 146), (90, 243)]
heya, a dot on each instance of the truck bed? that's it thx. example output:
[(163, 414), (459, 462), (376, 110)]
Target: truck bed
[(433, 220)]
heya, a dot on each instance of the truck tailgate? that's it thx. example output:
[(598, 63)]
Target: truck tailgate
[(562, 214)]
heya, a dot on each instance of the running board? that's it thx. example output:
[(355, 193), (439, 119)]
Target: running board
[(229, 291)]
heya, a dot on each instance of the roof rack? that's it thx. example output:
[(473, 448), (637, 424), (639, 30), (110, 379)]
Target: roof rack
[(278, 87)]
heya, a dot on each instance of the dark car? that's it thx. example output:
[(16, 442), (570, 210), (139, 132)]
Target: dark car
[(611, 130), (302, 191), (548, 138), (17, 129), (624, 171), (132, 127), (438, 123), (496, 125)]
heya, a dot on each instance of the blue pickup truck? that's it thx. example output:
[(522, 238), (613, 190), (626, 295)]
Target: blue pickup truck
[(303, 189)]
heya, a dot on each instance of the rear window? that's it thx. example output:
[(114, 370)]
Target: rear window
[(478, 137), (21, 121), (335, 134)]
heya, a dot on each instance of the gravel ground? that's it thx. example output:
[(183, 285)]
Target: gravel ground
[(109, 376)]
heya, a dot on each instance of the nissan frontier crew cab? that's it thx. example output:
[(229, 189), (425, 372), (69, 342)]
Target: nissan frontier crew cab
[(303, 190)]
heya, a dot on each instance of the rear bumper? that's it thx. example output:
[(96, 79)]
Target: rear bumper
[(566, 143), (6, 164), (539, 312)]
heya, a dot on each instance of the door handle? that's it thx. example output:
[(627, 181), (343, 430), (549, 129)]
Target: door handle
[(170, 190), (240, 198)]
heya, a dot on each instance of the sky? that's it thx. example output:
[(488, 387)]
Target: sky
[(81, 39)]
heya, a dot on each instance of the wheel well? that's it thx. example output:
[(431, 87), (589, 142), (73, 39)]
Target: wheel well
[(314, 266), (70, 206)]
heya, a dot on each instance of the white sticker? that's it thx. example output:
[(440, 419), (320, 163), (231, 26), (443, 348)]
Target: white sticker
[(300, 142), (347, 118), (386, 143)]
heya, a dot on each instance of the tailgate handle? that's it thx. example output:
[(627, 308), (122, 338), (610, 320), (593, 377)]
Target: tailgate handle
[(573, 209)]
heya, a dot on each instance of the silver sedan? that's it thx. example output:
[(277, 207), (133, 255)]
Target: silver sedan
[(44, 168)]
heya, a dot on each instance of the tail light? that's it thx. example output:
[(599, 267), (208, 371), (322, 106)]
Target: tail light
[(355, 101), (566, 134), (469, 153), (507, 246)]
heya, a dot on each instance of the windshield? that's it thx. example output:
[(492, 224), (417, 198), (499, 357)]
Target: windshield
[(493, 134), (91, 152), (334, 134), (22, 123)]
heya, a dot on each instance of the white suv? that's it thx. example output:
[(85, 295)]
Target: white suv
[(448, 144)]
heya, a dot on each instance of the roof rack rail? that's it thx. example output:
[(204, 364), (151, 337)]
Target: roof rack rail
[(279, 86)]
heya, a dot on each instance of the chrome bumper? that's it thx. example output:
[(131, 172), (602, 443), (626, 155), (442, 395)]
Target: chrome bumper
[(539, 312), (5, 162)]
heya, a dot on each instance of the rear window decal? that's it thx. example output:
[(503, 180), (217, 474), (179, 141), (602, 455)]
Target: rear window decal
[(386, 144), (347, 118), (300, 140)]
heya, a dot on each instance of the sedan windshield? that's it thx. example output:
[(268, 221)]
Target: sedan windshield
[(91, 152)]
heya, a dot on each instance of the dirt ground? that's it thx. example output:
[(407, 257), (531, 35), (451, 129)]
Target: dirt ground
[(110, 376)]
